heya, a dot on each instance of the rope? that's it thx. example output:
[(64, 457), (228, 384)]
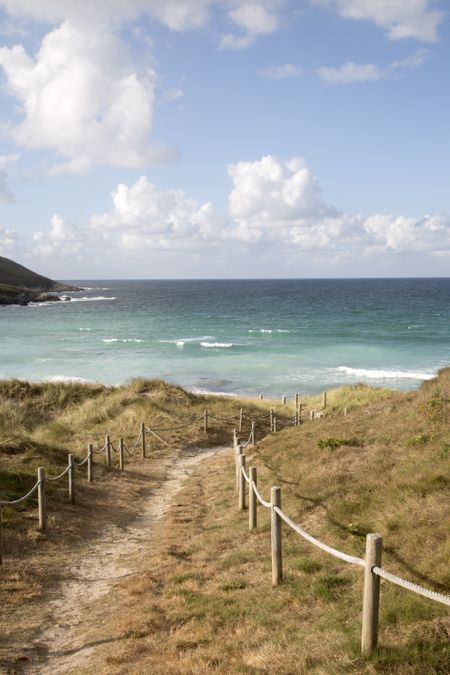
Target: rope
[(245, 474), (21, 499), (83, 462), (112, 447), (256, 417), (60, 475), (337, 554), (98, 452), (130, 452), (410, 586), (179, 426), (151, 431), (244, 445), (259, 496), (222, 419), (135, 443)]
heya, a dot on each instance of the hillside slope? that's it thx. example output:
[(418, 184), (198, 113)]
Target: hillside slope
[(20, 285), (14, 274)]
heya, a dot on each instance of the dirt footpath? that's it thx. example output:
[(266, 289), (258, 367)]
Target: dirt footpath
[(77, 610)]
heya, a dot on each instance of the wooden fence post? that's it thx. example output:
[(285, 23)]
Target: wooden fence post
[(371, 600), (237, 455), (143, 439), (296, 417), (296, 401), (345, 410), (261, 397), (41, 500), (283, 400), (275, 531), (275, 428), (71, 479), (312, 415), (234, 438), (253, 434), (300, 411), (252, 500), (241, 490), (108, 452), (271, 419), (241, 418), (324, 400), (121, 464), (90, 462), (205, 421)]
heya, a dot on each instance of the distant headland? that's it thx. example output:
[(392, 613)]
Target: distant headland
[(20, 285)]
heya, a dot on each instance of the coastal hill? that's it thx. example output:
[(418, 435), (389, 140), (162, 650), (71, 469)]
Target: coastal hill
[(20, 285)]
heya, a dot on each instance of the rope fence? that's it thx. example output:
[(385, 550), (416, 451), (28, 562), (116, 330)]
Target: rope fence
[(120, 450), (371, 563), (246, 476)]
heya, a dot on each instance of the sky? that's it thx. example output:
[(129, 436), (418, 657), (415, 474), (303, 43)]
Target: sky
[(225, 138)]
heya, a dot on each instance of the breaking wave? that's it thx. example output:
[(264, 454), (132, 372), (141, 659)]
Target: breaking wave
[(382, 374)]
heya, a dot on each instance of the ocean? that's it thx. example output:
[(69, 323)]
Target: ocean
[(249, 337)]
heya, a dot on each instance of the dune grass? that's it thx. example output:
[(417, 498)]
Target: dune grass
[(205, 603)]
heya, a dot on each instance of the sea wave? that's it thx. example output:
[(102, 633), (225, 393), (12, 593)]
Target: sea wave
[(93, 299), (385, 374), (180, 342), (268, 330), (217, 345), (122, 340), (68, 302)]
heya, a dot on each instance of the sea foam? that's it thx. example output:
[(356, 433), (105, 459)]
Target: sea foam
[(384, 374), (216, 345), (122, 340)]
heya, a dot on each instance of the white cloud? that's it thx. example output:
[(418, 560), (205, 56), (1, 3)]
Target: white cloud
[(400, 18), (276, 213), (5, 191), (272, 194), (406, 234), (62, 241), (351, 72), (146, 217), (255, 17), (171, 95), (9, 241), (281, 72), (81, 97), (260, 17)]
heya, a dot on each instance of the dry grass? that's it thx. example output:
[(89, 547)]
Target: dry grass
[(204, 602)]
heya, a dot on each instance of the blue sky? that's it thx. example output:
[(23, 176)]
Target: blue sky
[(225, 138)]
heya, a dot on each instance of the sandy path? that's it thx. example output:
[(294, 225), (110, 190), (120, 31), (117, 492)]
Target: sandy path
[(76, 626)]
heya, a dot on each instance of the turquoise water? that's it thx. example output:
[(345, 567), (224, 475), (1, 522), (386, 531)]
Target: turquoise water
[(272, 337)]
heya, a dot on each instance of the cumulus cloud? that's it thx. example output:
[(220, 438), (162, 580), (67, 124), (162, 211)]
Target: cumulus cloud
[(146, 217), (61, 241), (399, 18), (350, 72), (281, 72), (253, 17), (276, 212), (82, 97), (260, 17), (272, 194), (9, 241)]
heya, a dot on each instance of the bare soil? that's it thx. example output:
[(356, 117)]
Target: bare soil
[(68, 624)]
